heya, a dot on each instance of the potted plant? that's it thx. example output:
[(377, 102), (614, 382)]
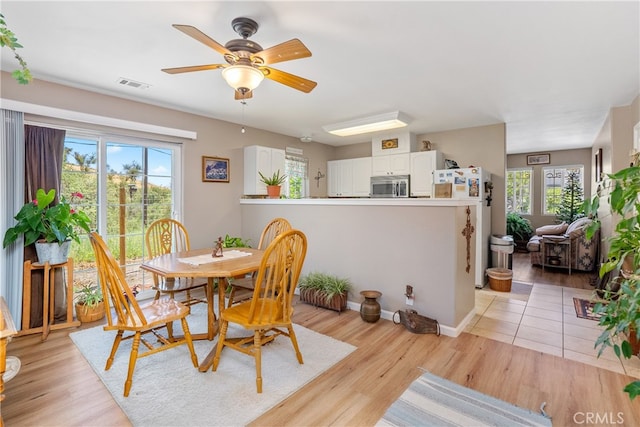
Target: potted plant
[(520, 228), (273, 183), (324, 290), (620, 313), (56, 225), (89, 303), (235, 242)]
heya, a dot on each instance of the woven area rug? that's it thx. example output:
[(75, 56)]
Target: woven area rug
[(168, 391), (434, 401), (584, 309)]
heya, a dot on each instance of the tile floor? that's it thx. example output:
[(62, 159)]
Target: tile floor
[(544, 320)]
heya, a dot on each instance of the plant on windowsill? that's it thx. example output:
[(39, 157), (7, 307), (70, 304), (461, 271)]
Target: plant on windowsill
[(324, 290), (40, 222), (89, 303), (273, 183), (621, 311)]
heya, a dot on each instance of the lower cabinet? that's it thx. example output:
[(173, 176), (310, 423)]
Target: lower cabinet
[(349, 177)]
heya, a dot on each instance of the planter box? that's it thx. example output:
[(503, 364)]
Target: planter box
[(311, 296)]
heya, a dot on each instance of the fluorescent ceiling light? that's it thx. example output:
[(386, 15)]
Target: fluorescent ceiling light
[(376, 123)]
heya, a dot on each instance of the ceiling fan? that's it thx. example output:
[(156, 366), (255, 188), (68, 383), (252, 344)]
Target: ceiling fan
[(247, 63)]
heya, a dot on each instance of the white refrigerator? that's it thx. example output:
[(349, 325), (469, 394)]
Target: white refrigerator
[(473, 184)]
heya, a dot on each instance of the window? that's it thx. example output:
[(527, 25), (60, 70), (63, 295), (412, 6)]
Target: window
[(554, 179), (297, 184), (519, 191), (127, 184)]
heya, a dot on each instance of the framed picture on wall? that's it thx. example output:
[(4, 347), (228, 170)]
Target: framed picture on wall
[(538, 159), (215, 169), (598, 166)]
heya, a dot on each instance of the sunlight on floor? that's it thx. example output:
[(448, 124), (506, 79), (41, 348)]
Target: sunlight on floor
[(543, 318)]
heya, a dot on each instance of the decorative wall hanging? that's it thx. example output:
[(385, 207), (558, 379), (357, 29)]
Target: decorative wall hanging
[(215, 169)]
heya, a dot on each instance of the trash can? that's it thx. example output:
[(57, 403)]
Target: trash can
[(502, 251)]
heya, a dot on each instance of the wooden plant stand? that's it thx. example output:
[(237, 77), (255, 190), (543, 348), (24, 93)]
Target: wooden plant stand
[(48, 303)]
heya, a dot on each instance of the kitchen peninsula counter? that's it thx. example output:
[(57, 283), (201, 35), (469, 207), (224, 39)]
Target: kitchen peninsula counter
[(385, 245)]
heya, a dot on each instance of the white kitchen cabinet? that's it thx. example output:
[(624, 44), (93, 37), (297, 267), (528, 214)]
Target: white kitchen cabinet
[(394, 164), (349, 177), (265, 160), (423, 163)]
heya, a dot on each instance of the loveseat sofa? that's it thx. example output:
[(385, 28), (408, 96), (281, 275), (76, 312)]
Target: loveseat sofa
[(584, 252)]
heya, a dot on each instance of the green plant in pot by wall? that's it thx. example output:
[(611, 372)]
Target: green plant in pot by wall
[(89, 303), (621, 311), (38, 220), (518, 227)]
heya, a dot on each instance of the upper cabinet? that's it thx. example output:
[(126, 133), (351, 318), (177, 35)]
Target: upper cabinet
[(349, 177), (395, 164), (423, 163), (265, 160)]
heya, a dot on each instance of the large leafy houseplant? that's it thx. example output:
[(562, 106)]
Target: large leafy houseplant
[(38, 220), (518, 227), (620, 314)]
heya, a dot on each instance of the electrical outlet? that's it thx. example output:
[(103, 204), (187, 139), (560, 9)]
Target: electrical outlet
[(409, 300)]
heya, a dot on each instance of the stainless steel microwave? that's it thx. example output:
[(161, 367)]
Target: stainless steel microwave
[(390, 186)]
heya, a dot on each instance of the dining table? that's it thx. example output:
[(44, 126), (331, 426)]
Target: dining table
[(200, 263)]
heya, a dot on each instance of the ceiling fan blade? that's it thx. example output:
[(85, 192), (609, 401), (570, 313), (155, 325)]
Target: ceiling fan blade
[(290, 80), (292, 49), (239, 96), (202, 38), (178, 70)]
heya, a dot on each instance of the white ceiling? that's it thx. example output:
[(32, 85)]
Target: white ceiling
[(549, 70)]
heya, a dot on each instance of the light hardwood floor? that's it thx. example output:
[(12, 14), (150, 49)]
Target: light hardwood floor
[(57, 387)]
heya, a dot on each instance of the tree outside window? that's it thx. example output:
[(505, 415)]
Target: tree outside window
[(554, 180), (297, 184)]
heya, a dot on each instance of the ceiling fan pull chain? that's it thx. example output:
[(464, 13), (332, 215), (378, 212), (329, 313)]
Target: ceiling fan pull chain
[(243, 102)]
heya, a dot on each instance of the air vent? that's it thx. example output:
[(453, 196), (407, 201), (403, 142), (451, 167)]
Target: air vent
[(132, 83)]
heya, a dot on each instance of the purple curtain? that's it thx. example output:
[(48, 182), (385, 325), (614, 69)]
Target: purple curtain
[(44, 151)]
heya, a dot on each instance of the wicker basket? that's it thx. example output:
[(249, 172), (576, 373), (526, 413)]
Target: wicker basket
[(500, 279)]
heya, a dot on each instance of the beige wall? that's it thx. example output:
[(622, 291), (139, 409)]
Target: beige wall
[(210, 209), (557, 158), (616, 140)]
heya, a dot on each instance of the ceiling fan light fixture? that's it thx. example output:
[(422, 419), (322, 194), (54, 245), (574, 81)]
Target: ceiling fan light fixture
[(242, 78), (379, 122)]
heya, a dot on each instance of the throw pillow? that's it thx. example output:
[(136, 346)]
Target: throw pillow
[(576, 228), (552, 229)]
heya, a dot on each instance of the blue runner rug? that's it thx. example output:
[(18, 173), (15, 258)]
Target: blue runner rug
[(434, 401)]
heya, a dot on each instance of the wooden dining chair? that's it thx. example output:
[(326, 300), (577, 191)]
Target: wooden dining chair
[(242, 289), (166, 236), (268, 313), (124, 314)]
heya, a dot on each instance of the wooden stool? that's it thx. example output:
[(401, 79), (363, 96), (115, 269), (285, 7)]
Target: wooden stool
[(48, 297)]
